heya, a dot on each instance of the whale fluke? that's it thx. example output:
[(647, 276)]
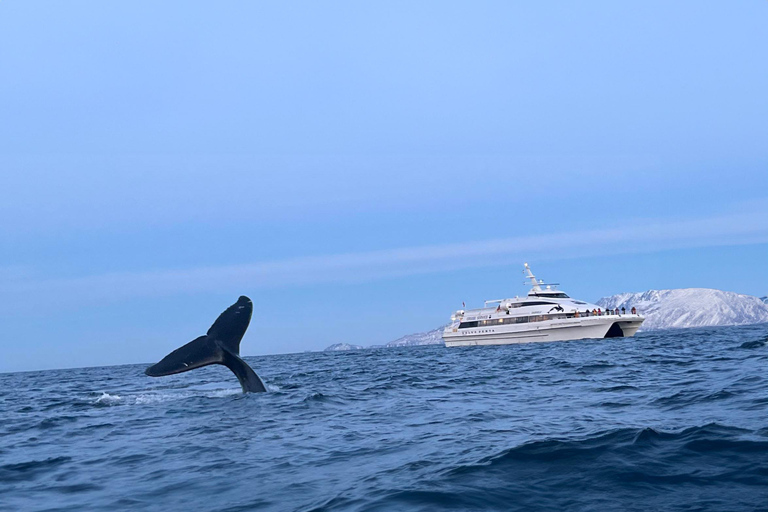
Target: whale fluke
[(220, 345)]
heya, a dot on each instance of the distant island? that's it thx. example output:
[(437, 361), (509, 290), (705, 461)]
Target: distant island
[(343, 346), (663, 309)]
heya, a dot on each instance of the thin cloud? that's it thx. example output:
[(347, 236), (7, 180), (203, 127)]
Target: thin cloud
[(635, 237)]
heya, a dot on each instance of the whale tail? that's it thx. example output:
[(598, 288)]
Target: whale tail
[(220, 345)]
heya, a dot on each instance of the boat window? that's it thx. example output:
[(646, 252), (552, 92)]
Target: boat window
[(510, 320), (533, 303), (552, 295)]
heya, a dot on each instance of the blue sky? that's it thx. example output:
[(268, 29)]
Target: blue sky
[(361, 168)]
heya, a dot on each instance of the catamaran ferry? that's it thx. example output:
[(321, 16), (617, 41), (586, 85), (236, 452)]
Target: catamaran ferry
[(546, 314)]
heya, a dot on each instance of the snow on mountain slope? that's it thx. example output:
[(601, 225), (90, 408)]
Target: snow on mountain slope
[(433, 337), (690, 307), (343, 346)]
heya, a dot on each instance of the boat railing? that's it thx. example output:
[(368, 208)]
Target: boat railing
[(560, 315), (605, 312)]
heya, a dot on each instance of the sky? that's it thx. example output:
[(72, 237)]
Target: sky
[(360, 169)]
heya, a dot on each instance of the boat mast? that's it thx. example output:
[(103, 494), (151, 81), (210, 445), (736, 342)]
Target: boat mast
[(529, 275)]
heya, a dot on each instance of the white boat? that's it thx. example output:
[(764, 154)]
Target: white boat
[(545, 314)]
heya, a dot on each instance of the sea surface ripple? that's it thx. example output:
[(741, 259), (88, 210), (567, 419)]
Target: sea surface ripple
[(674, 420)]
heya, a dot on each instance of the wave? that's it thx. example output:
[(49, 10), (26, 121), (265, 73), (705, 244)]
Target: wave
[(755, 343), (628, 463), (713, 466), (28, 470), (317, 397), (620, 387)]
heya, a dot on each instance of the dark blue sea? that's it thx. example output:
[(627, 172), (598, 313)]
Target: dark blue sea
[(674, 420)]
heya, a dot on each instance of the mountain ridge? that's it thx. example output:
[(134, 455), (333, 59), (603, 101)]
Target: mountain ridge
[(343, 346), (684, 308)]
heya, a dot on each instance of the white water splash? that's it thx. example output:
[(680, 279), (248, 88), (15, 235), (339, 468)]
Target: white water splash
[(149, 398), (155, 398), (221, 393), (107, 399)]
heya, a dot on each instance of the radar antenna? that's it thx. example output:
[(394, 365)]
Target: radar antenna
[(529, 275)]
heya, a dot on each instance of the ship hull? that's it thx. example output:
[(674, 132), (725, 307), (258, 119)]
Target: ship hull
[(613, 326)]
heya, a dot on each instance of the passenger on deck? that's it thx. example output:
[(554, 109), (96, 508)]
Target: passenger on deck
[(576, 314), (599, 312), (623, 310), (594, 312), (634, 311)]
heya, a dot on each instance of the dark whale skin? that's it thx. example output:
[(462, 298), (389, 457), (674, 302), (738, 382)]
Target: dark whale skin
[(220, 345)]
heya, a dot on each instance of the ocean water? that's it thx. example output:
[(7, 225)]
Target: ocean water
[(673, 420)]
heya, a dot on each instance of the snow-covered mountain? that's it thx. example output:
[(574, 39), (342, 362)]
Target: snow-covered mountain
[(433, 337), (764, 299), (690, 307), (343, 346)]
